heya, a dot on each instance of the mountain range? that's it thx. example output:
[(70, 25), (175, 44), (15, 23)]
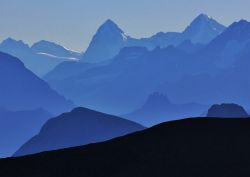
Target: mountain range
[(40, 58), (79, 127), (191, 147), (188, 73), (110, 39)]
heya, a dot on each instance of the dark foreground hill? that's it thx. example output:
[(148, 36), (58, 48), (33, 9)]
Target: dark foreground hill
[(187, 148), (79, 127)]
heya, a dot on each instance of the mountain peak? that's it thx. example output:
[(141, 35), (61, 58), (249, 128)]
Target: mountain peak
[(108, 41), (13, 41), (239, 31), (240, 24), (110, 25), (109, 22), (12, 44), (157, 99), (203, 17), (203, 29)]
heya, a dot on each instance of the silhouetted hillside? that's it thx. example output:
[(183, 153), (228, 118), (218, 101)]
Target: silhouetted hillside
[(17, 127), (22, 90), (186, 148), (227, 110), (79, 127)]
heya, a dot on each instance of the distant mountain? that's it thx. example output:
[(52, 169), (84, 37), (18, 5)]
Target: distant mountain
[(227, 110), (79, 127), (225, 64), (202, 30), (106, 43), (229, 45), (51, 48), (40, 62), (17, 127), (110, 39), (186, 148), (158, 109), (22, 90)]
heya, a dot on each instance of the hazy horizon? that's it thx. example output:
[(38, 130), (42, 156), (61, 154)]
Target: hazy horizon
[(73, 24)]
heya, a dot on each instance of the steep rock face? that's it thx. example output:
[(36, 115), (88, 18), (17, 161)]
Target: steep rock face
[(79, 127), (227, 110), (106, 43), (22, 90)]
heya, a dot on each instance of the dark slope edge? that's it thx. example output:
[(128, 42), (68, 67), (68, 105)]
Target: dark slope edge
[(79, 127), (187, 148)]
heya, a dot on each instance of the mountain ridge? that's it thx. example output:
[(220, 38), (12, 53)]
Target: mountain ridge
[(79, 127), (189, 147)]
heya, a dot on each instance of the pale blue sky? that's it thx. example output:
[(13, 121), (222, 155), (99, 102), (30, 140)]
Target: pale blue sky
[(72, 23)]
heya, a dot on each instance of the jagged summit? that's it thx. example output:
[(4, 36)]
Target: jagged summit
[(108, 41), (203, 16), (10, 42), (238, 31), (203, 28), (241, 26), (109, 23), (110, 26), (157, 99)]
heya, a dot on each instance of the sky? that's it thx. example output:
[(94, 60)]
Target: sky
[(72, 23)]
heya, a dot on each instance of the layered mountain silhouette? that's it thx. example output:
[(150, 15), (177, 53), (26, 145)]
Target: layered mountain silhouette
[(22, 90), (230, 44), (225, 64), (17, 127), (78, 127), (41, 58), (131, 76), (110, 39), (227, 110), (159, 109), (140, 68), (191, 147)]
